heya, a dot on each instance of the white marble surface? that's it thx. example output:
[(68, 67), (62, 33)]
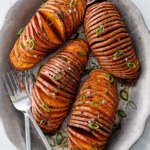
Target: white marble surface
[(143, 143)]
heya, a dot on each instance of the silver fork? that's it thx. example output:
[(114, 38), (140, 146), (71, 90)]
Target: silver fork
[(19, 90)]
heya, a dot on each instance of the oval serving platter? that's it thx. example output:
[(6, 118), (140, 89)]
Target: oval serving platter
[(132, 127)]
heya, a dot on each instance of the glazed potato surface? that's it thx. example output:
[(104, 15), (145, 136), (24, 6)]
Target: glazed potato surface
[(93, 113), (49, 28), (110, 42), (57, 84)]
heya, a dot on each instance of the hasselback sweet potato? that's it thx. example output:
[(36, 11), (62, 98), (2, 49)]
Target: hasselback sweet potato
[(110, 42), (94, 111), (56, 85), (48, 29)]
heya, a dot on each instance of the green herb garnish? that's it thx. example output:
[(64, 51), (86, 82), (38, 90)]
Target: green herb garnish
[(131, 65), (81, 52), (45, 107), (82, 99), (59, 138), (57, 77), (33, 78), (62, 58), (118, 53), (73, 3), (121, 113), (93, 125), (21, 44), (20, 31), (110, 78), (132, 104), (124, 95), (99, 30), (43, 122), (31, 44)]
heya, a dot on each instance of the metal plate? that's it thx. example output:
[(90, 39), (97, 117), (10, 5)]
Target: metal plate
[(132, 126)]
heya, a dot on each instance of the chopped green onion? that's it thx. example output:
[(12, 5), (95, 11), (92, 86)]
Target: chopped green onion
[(62, 58), (99, 30), (93, 148), (23, 74), (12, 97), (90, 69), (81, 52), (110, 77), (59, 138), (51, 141), (132, 104), (45, 107), (20, 31), (61, 89), (118, 53), (42, 3), (96, 104), (65, 140), (52, 20), (82, 99), (31, 44), (57, 77), (40, 68), (121, 113), (21, 44), (43, 122), (73, 3), (93, 125), (124, 95), (33, 77), (131, 65)]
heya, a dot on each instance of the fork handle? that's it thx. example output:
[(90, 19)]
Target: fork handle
[(27, 132), (47, 145)]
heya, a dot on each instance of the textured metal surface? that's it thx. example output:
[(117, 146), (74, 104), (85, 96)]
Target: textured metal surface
[(132, 127)]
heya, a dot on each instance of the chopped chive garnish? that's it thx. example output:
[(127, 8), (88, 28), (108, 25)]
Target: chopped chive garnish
[(121, 113), (96, 103), (45, 107), (31, 44), (42, 3), (52, 20), (118, 53), (131, 65), (62, 58), (93, 148), (43, 122), (12, 97), (82, 99), (132, 104), (20, 31), (40, 68), (124, 95), (73, 3), (93, 125), (51, 141), (61, 89), (99, 30), (81, 52), (110, 78), (23, 74), (57, 77), (33, 77), (21, 44), (90, 69), (59, 138)]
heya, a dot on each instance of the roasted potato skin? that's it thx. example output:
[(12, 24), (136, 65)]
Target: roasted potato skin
[(56, 85), (95, 106), (110, 41), (50, 27)]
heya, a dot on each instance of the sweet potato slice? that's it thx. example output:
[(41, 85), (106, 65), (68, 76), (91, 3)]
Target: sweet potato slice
[(92, 120)]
